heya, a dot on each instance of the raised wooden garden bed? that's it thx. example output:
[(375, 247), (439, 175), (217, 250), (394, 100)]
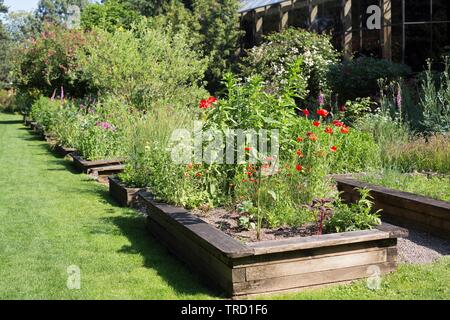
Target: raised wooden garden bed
[(110, 167), (402, 208), (63, 151), (126, 197), (243, 270)]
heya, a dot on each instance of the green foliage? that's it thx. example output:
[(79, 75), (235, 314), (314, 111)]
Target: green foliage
[(359, 77), (45, 63), (272, 58), (43, 111), (57, 11), (357, 216), (434, 186), (431, 154), (356, 109), (144, 66), (7, 101), (144, 7), (435, 101), (219, 21), (108, 16), (149, 159)]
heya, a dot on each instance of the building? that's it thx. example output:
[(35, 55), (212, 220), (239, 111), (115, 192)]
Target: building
[(408, 31)]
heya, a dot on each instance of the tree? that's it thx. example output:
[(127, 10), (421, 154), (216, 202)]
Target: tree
[(57, 11), (108, 16), (145, 7), (219, 23), (4, 49)]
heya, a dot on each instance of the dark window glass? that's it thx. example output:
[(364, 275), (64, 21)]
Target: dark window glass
[(441, 40), (396, 11), (397, 43), (417, 10), (271, 23), (299, 18), (441, 10), (418, 45)]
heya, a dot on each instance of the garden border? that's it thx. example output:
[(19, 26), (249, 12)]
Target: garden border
[(86, 166), (402, 208), (126, 197), (268, 267)]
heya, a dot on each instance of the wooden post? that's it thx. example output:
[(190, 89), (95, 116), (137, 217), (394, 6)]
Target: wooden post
[(257, 26), (284, 17), (313, 11), (386, 32), (347, 28)]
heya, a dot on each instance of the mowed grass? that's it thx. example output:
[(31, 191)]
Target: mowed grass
[(52, 218)]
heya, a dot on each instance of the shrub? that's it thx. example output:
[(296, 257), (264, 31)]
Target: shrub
[(44, 63), (435, 101), (7, 101), (143, 66), (44, 110), (273, 57), (359, 77)]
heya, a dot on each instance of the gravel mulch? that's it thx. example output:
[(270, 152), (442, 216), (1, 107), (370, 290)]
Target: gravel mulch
[(421, 248)]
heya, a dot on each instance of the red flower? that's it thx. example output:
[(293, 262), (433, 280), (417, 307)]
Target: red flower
[(249, 174), (306, 112), (342, 108), (298, 167), (299, 139), (312, 136), (244, 181), (329, 130), (333, 148), (316, 123), (322, 112), (211, 100), (189, 166), (203, 104), (247, 149), (338, 123), (198, 174), (345, 130), (300, 153)]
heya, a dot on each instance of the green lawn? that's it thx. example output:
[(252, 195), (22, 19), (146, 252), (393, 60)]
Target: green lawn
[(52, 218)]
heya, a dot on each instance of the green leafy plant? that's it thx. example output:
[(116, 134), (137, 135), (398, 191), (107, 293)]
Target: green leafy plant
[(357, 216)]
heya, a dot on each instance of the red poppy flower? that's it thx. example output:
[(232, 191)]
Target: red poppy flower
[(247, 149), (306, 112), (345, 130), (244, 181), (333, 148), (316, 123), (300, 153), (204, 104), (211, 100), (299, 139), (312, 137), (329, 130), (249, 174), (338, 123), (198, 174), (298, 167), (322, 112)]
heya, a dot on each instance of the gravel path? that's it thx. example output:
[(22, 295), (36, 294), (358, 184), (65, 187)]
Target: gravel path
[(421, 247)]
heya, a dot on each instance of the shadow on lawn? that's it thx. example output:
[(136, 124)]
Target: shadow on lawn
[(176, 273), (11, 121)]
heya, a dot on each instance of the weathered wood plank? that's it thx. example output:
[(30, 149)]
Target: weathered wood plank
[(300, 243), (310, 279), (315, 264)]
